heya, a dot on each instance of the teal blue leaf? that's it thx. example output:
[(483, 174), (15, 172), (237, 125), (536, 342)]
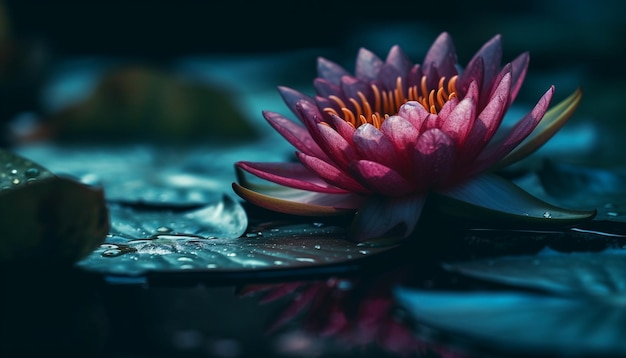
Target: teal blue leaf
[(601, 275), (495, 201), (527, 324)]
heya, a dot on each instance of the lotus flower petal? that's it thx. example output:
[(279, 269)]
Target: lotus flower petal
[(398, 59), (519, 66), (441, 56), (551, 122), (402, 134), (330, 174), (294, 133), (325, 88), (367, 65), (300, 202), (460, 121), (293, 175), (414, 113), (330, 71), (381, 178), (514, 135), (434, 157), (338, 148), (291, 97), (373, 144), (379, 216)]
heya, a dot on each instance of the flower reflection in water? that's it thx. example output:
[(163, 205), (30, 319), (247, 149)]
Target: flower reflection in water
[(353, 312)]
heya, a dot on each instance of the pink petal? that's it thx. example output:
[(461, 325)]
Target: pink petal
[(474, 72), (396, 217), (447, 108), (351, 86), (487, 121), (414, 77), (513, 136), (399, 60), (339, 149), (344, 129), (311, 116), (519, 67), (330, 71), (431, 121), (300, 202), (367, 65), (291, 97), (325, 88), (294, 133), (388, 76), (491, 54), (473, 92), (293, 175), (403, 136), (372, 144), (381, 179), (441, 56), (434, 158), (506, 71), (413, 112), (331, 174), (459, 122)]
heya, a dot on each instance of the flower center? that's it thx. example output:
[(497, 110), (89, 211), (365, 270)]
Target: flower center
[(387, 103)]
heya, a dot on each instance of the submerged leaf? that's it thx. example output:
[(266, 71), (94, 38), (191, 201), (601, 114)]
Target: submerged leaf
[(46, 218), (594, 274), (528, 324)]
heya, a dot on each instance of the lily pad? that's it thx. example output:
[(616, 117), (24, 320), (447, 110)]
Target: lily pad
[(500, 323), (601, 275), (575, 306), (493, 201), (47, 219), (273, 251)]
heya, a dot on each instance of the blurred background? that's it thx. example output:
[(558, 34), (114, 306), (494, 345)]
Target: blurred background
[(125, 69)]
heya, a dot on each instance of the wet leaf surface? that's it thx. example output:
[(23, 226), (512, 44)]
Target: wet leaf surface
[(172, 213), (516, 324), (47, 219)]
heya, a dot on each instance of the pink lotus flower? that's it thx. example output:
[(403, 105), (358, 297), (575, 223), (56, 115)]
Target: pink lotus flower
[(380, 142)]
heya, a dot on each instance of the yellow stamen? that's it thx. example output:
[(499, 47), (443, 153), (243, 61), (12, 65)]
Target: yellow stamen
[(384, 104)]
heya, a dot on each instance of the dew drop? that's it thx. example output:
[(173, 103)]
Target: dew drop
[(211, 266), (612, 213), (185, 259), (112, 253), (278, 262), (231, 254), (13, 172), (31, 173), (317, 247), (164, 229), (364, 252), (318, 224), (547, 215), (15, 181)]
